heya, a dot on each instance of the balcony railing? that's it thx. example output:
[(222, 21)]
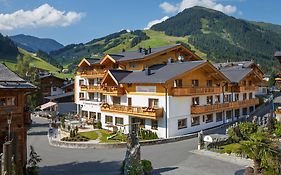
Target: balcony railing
[(245, 88), (201, 109), (108, 90), (184, 91), (92, 73), (144, 112)]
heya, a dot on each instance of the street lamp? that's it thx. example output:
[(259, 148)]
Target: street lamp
[(9, 120)]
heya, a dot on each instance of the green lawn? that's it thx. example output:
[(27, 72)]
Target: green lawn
[(230, 148), (92, 135)]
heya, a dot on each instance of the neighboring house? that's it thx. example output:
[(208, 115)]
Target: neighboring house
[(13, 103), (168, 90), (51, 85)]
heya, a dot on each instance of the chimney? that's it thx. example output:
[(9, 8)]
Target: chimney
[(147, 71), (145, 51), (149, 50), (140, 49)]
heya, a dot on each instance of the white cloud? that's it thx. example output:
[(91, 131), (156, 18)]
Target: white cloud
[(212, 4), (43, 16), (151, 23)]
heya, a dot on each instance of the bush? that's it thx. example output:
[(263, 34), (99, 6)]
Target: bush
[(277, 130), (99, 125), (147, 166), (241, 132), (147, 134)]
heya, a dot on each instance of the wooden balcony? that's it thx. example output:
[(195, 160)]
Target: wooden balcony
[(92, 73), (185, 91), (109, 90), (201, 109), (143, 112), (245, 88)]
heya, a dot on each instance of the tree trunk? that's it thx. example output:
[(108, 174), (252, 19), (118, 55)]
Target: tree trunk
[(256, 167)]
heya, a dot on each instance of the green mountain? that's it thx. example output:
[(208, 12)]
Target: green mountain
[(8, 50), (209, 33), (35, 44)]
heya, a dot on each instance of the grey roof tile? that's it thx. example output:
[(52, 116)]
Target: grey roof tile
[(162, 74), (132, 55), (236, 75), (60, 96)]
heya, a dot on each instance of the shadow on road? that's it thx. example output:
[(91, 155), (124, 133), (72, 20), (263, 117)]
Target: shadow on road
[(40, 125), (37, 133), (239, 172), (162, 170), (85, 168)]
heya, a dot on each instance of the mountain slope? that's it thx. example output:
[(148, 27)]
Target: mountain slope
[(8, 50), (223, 37), (34, 44)]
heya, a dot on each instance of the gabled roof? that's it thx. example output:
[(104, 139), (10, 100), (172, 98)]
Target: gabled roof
[(135, 55), (116, 75), (236, 75), (90, 61), (10, 80), (50, 75), (69, 84), (163, 74), (60, 96)]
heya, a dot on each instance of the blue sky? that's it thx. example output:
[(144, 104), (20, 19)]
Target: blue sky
[(76, 21)]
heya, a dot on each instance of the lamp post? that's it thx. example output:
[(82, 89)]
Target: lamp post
[(9, 120)]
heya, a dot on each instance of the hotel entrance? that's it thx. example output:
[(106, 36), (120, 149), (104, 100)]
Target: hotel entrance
[(141, 121)]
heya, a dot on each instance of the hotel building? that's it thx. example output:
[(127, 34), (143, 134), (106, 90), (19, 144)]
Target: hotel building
[(168, 90)]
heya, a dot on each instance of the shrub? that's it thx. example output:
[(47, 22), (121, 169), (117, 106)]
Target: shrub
[(247, 129), (147, 166), (99, 125), (277, 130), (147, 134)]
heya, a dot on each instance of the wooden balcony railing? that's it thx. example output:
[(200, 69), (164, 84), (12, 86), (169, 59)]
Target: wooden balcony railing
[(201, 109), (144, 112), (108, 90), (92, 73), (245, 88), (183, 91)]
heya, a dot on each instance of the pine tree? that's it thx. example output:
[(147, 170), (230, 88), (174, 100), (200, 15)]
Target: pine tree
[(32, 167)]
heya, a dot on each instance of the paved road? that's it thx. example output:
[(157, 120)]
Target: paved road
[(172, 158)]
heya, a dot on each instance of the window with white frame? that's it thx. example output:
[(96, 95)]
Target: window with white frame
[(210, 100), (182, 123), (218, 116), (178, 83), (154, 124), (209, 118), (195, 121), (195, 101), (195, 83)]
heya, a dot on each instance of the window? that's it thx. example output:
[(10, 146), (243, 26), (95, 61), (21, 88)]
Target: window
[(217, 99), (209, 99), (227, 98), (244, 83), (108, 119), (182, 123), (209, 83), (93, 115), (132, 65), (244, 96), (195, 83), (154, 124), (250, 95), (250, 83), (116, 100), (81, 96), (237, 113), (178, 83), (244, 111), (119, 121), (209, 118), (153, 103), (91, 82), (54, 89), (228, 115), (81, 82), (99, 116), (236, 97), (85, 114), (98, 81), (195, 121), (218, 116), (251, 109), (195, 100), (7, 101)]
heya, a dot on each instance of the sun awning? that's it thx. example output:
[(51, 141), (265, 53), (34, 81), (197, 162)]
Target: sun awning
[(47, 105)]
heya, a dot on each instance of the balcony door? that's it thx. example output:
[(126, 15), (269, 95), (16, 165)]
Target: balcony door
[(141, 121), (153, 103), (129, 101)]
